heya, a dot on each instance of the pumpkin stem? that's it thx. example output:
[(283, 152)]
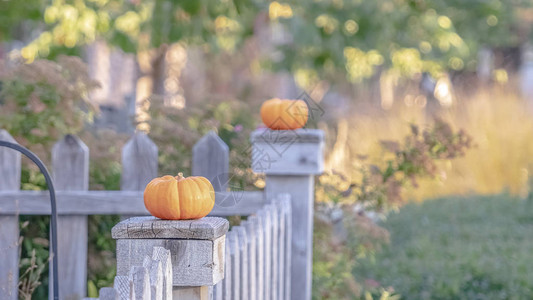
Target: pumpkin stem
[(180, 176)]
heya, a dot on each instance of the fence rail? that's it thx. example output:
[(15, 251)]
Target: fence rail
[(289, 162)]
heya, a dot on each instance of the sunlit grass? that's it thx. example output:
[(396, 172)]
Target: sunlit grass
[(457, 248)]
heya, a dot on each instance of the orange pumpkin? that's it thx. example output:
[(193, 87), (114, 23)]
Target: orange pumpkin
[(179, 198), (278, 114)]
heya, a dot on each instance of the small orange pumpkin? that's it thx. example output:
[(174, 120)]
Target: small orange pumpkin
[(179, 198), (278, 114)]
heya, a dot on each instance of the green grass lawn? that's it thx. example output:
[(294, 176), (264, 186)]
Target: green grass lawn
[(457, 248)]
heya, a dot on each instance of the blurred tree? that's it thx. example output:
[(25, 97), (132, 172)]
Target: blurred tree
[(321, 38)]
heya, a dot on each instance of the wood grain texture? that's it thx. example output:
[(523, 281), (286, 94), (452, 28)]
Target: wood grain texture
[(194, 262), (300, 189), (303, 135), (275, 253), (228, 271), (156, 277), (124, 287), (70, 170), (139, 162), (163, 256), (141, 283), (251, 242), (244, 262), (111, 203), (9, 228), (210, 158), (259, 224), (207, 228), (235, 260), (108, 293), (287, 211), (282, 204), (267, 250)]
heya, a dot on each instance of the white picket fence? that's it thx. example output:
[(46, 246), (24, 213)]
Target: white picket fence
[(261, 245)]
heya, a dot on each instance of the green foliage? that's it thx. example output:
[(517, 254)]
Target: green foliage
[(457, 248), (379, 186), (329, 37), (42, 101), (335, 256), (16, 14)]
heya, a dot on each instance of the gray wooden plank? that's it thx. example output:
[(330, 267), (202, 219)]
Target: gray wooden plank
[(141, 283), (207, 228), (244, 263), (9, 230), (252, 258), (70, 169), (108, 293), (139, 162), (109, 202), (210, 158), (274, 249), (233, 240), (162, 256)]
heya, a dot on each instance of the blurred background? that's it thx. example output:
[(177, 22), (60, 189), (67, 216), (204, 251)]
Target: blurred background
[(421, 101)]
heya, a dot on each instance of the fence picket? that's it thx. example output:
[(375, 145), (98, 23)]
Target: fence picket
[(210, 158), (285, 200), (233, 240), (244, 263), (70, 169), (156, 277), (251, 243), (226, 282), (162, 256), (108, 293), (278, 202), (260, 259), (267, 232), (124, 287), (9, 230), (141, 283), (274, 221), (139, 162)]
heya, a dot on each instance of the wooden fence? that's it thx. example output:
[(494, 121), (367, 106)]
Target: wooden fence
[(290, 159)]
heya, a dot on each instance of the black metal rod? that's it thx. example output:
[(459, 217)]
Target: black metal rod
[(53, 219)]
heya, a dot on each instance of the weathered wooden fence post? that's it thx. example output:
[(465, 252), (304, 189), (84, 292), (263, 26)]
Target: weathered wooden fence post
[(70, 166), (290, 159), (197, 249), (9, 225)]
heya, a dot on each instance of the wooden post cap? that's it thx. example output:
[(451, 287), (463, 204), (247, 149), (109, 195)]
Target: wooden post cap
[(288, 152), (207, 228), (196, 247)]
